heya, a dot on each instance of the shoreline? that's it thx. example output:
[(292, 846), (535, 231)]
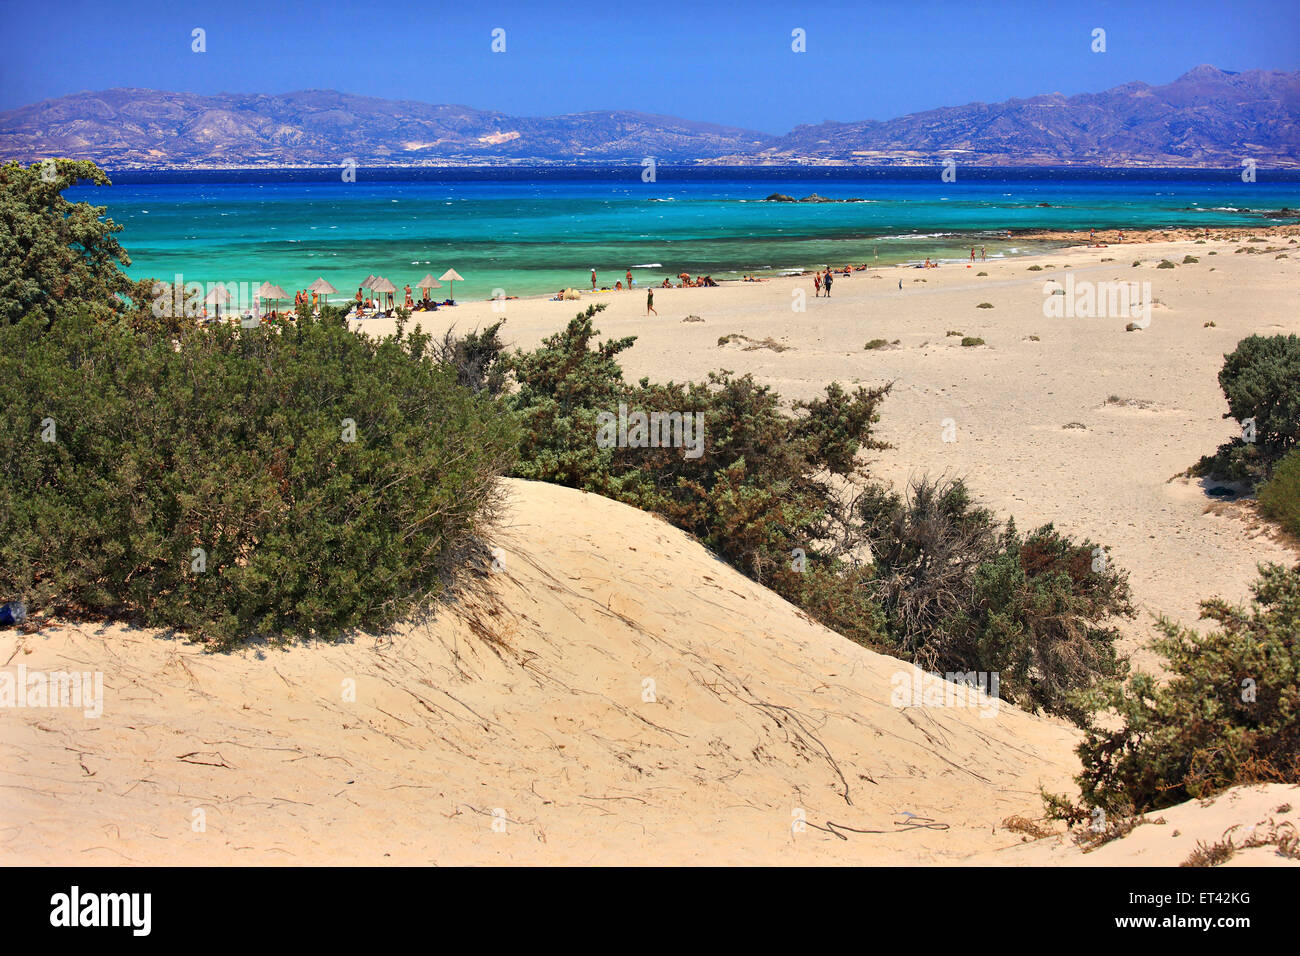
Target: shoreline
[(1046, 241)]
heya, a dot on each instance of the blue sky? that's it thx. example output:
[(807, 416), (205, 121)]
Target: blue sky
[(725, 62)]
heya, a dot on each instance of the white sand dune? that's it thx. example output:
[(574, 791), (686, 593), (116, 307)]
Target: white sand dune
[(531, 702)]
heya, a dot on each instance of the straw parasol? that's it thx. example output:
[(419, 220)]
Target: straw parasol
[(452, 276), (322, 289), (427, 283), (275, 294), (217, 296), (382, 286)]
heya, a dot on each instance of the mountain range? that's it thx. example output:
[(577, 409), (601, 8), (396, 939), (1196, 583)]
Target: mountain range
[(1207, 117)]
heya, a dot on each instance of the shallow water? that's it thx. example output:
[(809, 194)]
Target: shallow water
[(527, 231)]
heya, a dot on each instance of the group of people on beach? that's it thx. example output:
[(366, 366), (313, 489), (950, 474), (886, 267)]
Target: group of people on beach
[(385, 301), (822, 281), (302, 296)]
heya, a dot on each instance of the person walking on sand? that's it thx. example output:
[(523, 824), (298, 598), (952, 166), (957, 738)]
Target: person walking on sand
[(972, 253), (983, 258), (817, 284), (830, 277), (593, 280), (650, 302)]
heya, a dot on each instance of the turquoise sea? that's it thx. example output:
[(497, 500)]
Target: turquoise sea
[(529, 231)]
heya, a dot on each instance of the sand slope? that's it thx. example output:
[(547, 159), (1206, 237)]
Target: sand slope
[(530, 702)]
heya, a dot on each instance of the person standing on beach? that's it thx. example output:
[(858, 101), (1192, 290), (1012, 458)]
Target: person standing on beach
[(983, 258), (650, 302), (817, 284), (593, 280), (972, 253), (629, 278), (827, 281)]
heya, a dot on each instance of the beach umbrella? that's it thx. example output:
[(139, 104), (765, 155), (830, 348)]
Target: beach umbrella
[(322, 289), (217, 296), (428, 282), (275, 294), (383, 286), (452, 276)]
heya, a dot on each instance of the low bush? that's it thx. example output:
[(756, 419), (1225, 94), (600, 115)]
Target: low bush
[(280, 482), (1228, 714), (961, 592), (1279, 498), (1261, 380)]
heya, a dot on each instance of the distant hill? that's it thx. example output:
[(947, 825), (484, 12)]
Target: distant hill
[(132, 127), (1206, 117)]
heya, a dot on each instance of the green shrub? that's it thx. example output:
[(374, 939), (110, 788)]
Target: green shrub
[(1279, 499), (1261, 380), (54, 253), (984, 305), (1188, 260), (876, 344), (1166, 264), (1228, 714), (971, 340), (960, 592), (1035, 268), (235, 442)]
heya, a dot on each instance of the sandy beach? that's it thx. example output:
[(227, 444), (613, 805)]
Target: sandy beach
[(518, 725)]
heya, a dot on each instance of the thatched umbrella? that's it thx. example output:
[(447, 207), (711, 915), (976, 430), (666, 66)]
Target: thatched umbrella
[(275, 294), (383, 286), (452, 276), (322, 289), (427, 283), (218, 295)]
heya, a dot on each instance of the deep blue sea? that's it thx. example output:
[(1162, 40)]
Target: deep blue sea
[(535, 230)]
